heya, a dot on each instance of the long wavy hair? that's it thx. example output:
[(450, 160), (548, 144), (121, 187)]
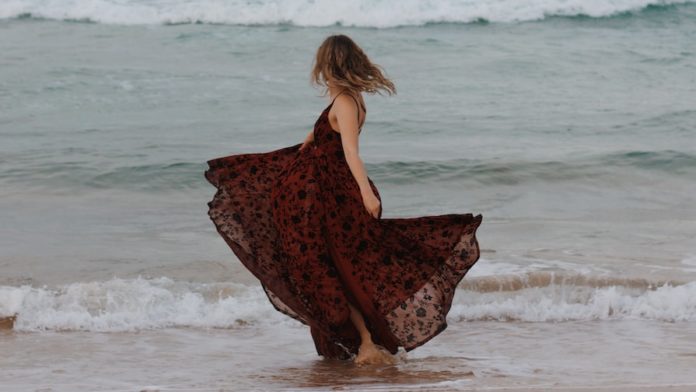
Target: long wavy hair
[(346, 65)]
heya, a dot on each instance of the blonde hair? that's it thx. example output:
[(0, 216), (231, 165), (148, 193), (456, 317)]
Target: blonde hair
[(344, 62)]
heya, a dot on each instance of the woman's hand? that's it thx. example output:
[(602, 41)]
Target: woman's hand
[(309, 139), (372, 204)]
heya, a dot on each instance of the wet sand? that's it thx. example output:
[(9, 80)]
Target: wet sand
[(481, 356)]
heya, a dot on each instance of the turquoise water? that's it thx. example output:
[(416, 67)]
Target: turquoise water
[(569, 127)]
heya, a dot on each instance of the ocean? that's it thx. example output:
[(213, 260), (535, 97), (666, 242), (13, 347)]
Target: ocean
[(569, 125)]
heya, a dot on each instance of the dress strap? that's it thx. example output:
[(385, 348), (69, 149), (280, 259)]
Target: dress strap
[(334, 100)]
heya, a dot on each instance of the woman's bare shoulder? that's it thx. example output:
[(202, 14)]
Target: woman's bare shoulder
[(349, 105)]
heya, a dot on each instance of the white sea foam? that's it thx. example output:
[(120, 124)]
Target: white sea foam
[(369, 13), (571, 302), (131, 304)]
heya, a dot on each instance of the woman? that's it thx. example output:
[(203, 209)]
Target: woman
[(306, 221)]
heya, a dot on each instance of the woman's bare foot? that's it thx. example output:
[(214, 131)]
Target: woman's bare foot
[(372, 354)]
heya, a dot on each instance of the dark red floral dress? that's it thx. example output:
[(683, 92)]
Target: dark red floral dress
[(296, 219)]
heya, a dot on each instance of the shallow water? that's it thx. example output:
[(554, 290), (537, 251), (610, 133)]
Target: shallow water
[(483, 355), (572, 136)]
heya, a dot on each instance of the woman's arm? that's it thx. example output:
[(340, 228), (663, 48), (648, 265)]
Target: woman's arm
[(346, 115)]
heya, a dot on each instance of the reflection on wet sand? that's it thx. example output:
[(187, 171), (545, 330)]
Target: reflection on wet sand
[(334, 373)]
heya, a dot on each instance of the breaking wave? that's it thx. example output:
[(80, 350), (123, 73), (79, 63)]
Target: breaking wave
[(361, 13), (133, 304)]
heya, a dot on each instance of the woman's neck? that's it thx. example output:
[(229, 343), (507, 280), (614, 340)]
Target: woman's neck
[(333, 91)]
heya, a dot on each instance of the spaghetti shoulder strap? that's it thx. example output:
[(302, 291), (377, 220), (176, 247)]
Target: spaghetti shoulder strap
[(334, 100)]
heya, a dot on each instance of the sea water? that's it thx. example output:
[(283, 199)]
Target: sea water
[(570, 126)]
